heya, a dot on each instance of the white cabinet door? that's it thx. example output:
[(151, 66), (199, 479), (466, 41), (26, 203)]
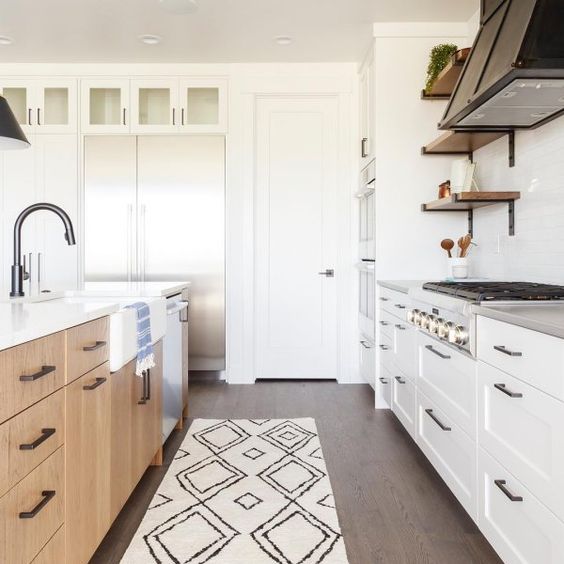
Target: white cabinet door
[(405, 347), (522, 428), (56, 106), (450, 450), (520, 528), (404, 401), (21, 97), (105, 105), (203, 105), (154, 106)]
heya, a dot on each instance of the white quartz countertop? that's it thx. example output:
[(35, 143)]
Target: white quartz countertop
[(546, 318), (22, 322), (401, 285), (126, 289)]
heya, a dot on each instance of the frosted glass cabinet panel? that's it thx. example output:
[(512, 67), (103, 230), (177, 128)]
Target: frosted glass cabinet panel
[(105, 106), (154, 105), (204, 105), (17, 100)]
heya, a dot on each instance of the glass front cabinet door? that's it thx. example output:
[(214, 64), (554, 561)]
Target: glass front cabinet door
[(203, 103), (154, 106), (105, 106), (43, 105)]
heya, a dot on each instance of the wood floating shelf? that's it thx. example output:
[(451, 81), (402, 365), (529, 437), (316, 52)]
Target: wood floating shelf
[(469, 201), (446, 81), (466, 142)]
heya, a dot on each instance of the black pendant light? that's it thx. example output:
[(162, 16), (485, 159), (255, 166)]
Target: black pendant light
[(11, 134)]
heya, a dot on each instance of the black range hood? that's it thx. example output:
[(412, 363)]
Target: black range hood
[(514, 75)]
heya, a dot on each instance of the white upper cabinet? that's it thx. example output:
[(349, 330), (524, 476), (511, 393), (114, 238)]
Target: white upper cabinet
[(154, 106), (203, 105), (42, 105), (105, 106), (366, 104)]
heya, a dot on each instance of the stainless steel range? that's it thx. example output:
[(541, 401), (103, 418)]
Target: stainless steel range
[(445, 309)]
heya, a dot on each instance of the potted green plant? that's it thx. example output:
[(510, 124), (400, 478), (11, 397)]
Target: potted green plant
[(438, 59)]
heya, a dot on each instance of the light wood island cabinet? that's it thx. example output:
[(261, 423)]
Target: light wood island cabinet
[(75, 440)]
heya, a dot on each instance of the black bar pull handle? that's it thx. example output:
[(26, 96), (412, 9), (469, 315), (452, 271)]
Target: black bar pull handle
[(503, 388), (384, 300), (43, 372), (384, 323), (45, 434), (504, 350), (383, 380), (96, 384), (47, 495), (144, 397), (399, 306), (98, 345), (501, 485), (438, 353), (400, 327), (148, 383), (430, 413), (399, 380)]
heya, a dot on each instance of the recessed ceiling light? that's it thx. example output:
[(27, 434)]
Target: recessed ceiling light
[(150, 39), (5, 40), (283, 40), (179, 6)]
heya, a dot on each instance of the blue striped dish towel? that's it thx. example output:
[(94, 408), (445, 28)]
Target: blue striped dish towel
[(145, 356)]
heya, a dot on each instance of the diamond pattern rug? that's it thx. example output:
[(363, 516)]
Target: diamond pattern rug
[(243, 492)]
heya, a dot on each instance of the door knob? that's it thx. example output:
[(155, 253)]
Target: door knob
[(329, 272)]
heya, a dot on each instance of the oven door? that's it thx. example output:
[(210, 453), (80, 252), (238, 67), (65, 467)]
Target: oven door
[(366, 301)]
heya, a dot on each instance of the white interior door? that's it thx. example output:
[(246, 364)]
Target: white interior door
[(295, 238)]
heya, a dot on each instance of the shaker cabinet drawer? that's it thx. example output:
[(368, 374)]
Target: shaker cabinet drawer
[(449, 449), (386, 351), (404, 401), (386, 323), (54, 551), (522, 428), (394, 302), (520, 528), (405, 341), (528, 355), (29, 372), (448, 378), (31, 437), (87, 347), (32, 511)]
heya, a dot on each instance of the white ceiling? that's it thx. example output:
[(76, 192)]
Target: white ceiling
[(220, 31)]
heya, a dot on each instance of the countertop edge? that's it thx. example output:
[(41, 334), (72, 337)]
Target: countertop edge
[(402, 286)]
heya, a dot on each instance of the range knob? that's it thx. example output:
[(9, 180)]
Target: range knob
[(426, 321), (435, 324), (413, 316), (458, 335), (445, 328)]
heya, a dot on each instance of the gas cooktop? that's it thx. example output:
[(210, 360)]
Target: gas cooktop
[(478, 292)]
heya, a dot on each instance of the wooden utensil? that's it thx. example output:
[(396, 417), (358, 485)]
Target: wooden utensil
[(447, 245), (464, 245)]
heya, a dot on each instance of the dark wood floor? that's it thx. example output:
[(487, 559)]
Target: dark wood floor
[(392, 505)]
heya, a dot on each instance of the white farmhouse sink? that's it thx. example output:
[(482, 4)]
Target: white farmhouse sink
[(123, 326)]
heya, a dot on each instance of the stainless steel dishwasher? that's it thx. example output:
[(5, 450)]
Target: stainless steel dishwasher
[(177, 313)]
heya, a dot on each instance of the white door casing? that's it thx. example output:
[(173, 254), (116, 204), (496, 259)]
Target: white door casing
[(296, 237)]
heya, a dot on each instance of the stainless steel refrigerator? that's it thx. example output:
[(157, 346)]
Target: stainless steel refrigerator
[(154, 211)]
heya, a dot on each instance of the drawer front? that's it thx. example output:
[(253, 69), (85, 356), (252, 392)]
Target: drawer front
[(528, 355), (384, 387), (522, 428), (394, 302), (448, 378), (404, 404), (32, 511), (54, 551), (30, 438), (386, 323), (87, 347), (450, 450), (405, 341), (368, 361), (386, 352), (29, 372), (522, 532)]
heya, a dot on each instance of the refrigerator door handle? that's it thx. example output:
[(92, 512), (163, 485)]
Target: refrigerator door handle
[(129, 241), (143, 241)]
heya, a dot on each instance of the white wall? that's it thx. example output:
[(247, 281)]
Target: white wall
[(408, 241)]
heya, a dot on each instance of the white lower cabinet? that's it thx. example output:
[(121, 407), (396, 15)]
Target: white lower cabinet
[(404, 401), (520, 528), (384, 387), (451, 451), (368, 361), (523, 428)]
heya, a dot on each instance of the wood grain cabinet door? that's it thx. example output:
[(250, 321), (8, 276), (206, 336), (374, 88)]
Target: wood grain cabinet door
[(88, 446)]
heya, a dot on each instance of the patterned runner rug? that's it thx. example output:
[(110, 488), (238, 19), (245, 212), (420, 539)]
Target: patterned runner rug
[(243, 492)]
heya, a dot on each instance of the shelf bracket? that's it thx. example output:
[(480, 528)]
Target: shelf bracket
[(511, 142), (471, 222), (511, 213)]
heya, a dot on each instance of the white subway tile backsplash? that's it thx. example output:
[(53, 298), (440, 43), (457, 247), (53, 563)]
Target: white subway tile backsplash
[(536, 253)]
